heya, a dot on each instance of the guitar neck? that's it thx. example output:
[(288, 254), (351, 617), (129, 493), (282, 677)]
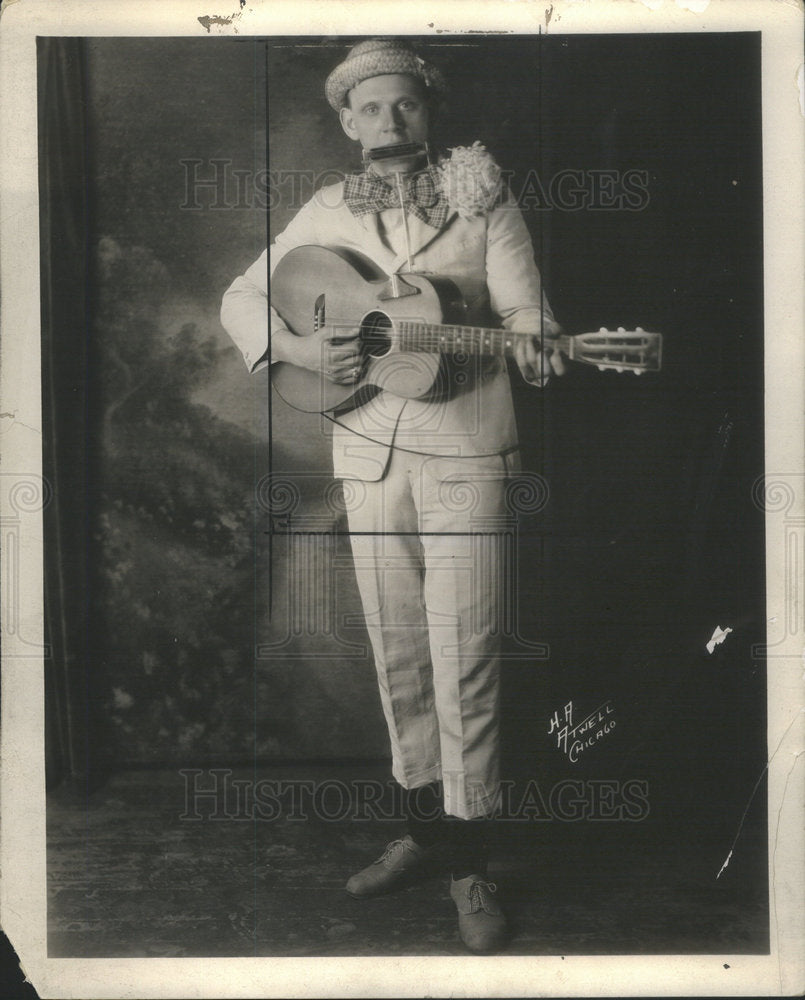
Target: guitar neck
[(442, 338)]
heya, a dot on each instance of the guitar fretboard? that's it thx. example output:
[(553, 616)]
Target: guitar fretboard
[(440, 338)]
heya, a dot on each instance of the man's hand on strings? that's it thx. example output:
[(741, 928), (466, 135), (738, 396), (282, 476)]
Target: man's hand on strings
[(333, 352), (536, 363)]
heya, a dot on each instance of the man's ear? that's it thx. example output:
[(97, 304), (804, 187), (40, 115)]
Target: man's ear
[(347, 119)]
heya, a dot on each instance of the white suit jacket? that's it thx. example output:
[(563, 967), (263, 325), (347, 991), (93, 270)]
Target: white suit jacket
[(489, 257)]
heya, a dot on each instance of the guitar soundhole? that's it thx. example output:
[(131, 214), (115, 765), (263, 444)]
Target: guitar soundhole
[(376, 334)]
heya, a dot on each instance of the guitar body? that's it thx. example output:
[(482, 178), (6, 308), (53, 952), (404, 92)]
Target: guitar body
[(312, 286), (410, 327)]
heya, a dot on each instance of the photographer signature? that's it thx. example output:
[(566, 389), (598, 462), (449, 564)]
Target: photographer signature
[(574, 740)]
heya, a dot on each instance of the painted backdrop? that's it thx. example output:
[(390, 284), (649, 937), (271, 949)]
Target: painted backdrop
[(200, 635)]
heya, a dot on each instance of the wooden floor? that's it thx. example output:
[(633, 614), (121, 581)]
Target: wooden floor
[(130, 874)]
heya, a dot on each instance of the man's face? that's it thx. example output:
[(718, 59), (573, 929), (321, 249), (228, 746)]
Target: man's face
[(385, 110)]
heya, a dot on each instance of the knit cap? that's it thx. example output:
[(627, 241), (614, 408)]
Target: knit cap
[(377, 57)]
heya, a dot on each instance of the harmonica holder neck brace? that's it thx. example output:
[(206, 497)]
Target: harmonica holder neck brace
[(400, 150)]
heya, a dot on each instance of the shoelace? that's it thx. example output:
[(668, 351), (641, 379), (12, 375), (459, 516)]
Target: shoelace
[(391, 849), (476, 897)]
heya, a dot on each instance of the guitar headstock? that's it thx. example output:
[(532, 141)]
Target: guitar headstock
[(619, 350)]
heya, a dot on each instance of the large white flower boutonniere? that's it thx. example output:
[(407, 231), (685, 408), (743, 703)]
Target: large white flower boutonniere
[(471, 180)]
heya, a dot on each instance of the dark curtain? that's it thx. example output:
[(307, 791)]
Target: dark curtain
[(73, 738)]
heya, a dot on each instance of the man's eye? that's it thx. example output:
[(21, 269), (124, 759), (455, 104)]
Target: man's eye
[(370, 109), (408, 105)]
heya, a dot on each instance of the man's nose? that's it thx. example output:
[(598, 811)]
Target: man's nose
[(392, 120)]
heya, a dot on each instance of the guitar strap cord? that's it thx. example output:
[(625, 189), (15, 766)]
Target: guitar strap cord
[(414, 451)]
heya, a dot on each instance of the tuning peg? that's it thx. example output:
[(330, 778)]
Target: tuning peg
[(638, 371), (601, 368), (621, 330), (639, 329), (602, 329)]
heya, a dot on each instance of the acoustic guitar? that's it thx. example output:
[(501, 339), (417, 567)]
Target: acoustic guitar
[(407, 323)]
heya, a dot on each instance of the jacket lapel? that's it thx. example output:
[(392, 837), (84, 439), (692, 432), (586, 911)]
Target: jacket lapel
[(375, 247), (421, 235)]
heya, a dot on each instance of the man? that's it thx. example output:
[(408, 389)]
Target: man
[(430, 593)]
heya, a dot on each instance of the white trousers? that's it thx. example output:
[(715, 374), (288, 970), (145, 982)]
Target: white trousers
[(427, 546)]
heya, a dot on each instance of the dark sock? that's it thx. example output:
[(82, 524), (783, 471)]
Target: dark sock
[(469, 848), (424, 814)]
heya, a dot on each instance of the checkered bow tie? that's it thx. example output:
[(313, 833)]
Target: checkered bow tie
[(365, 194)]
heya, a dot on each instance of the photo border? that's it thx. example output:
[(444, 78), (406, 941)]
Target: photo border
[(781, 494)]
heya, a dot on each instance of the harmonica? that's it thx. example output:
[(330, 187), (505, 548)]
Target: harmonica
[(395, 152)]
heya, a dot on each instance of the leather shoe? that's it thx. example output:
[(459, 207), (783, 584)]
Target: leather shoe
[(402, 862), (481, 922)]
